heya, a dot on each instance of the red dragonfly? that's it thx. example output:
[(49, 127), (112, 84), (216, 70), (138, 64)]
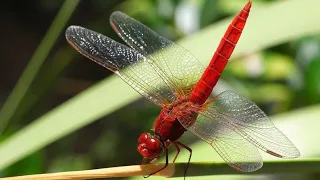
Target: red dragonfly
[(172, 78)]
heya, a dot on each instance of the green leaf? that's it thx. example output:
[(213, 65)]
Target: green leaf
[(313, 81), (33, 164), (30, 73), (209, 12)]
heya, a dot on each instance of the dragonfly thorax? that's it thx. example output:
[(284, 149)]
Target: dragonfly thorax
[(182, 109)]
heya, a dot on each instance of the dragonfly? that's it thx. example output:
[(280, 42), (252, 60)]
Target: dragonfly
[(172, 78)]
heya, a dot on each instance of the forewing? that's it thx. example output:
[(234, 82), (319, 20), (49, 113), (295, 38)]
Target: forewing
[(133, 67), (176, 65), (253, 124), (214, 128)]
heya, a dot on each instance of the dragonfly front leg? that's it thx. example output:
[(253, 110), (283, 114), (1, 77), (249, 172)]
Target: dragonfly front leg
[(155, 159)]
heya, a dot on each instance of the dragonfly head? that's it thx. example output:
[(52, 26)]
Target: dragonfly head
[(150, 146)]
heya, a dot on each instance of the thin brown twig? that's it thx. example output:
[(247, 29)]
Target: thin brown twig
[(178, 169), (122, 171)]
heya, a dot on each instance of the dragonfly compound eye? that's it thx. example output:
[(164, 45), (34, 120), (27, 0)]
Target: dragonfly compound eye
[(143, 150), (153, 144), (143, 137)]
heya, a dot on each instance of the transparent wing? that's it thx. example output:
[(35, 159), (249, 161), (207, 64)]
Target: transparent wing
[(133, 67), (214, 128), (176, 65), (236, 116), (253, 124)]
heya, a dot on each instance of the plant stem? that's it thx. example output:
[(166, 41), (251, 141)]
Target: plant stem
[(269, 167)]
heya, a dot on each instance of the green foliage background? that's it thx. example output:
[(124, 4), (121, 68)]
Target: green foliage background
[(59, 118)]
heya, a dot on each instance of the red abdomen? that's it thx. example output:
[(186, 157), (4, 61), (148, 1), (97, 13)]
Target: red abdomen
[(211, 75)]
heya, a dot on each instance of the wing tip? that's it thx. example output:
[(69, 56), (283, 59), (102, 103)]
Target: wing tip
[(292, 155), (247, 167), (116, 12), (274, 154), (70, 35), (115, 18), (70, 31), (237, 168)]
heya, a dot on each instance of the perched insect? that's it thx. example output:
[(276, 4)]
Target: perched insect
[(172, 78)]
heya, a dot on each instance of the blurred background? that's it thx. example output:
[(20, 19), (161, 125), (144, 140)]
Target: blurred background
[(41, 73)]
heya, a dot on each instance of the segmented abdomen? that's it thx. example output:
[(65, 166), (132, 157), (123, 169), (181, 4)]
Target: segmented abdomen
[(211, 75)]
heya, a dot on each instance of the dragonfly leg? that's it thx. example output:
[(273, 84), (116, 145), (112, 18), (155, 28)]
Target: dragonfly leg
[(144, 161), (153, 160), (178, 151), (167, 159), (177, 143)]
